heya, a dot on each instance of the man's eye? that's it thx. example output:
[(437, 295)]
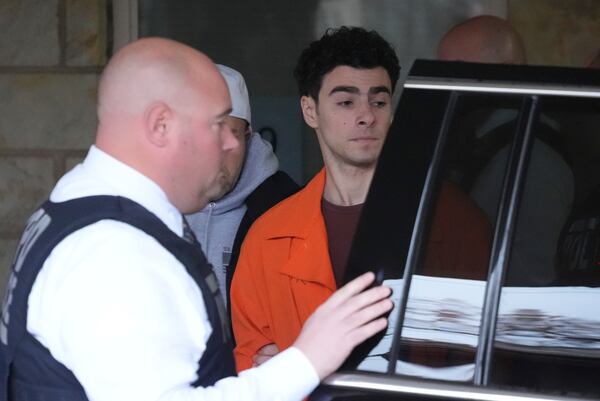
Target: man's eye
[(238, 133), (345, 103), (218, 126), (379, 103)]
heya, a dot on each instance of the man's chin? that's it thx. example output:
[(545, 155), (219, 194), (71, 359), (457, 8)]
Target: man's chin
[(363, 163), (224, 188)]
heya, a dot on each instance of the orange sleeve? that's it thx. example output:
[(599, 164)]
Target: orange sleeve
[(460, 239), (476, 246), (472, 235), (248, 307)]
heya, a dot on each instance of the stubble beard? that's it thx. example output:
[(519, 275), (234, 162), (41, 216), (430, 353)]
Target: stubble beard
[(223, 184)]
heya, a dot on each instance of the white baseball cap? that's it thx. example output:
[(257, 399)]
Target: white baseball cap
[(240, 102)]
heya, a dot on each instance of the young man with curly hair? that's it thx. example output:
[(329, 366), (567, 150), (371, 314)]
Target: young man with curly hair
[(294, 256)]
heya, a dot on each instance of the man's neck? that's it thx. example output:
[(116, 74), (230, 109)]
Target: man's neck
[(347, 185)]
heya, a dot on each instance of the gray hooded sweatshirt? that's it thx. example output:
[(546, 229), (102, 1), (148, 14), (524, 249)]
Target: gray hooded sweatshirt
[(216, 225)]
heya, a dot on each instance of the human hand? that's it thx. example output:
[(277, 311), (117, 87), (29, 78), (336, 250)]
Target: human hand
[(346, 319), (264, 354)]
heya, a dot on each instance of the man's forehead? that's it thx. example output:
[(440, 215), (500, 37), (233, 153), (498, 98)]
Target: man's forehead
[(346, 78), (214, 97)]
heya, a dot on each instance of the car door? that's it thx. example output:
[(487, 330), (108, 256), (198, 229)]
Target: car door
[(481, 216)]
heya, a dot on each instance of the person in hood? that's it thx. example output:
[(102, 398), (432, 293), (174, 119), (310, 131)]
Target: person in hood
[(251, 184)]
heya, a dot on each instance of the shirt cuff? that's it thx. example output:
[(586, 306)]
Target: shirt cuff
[(294, 371)]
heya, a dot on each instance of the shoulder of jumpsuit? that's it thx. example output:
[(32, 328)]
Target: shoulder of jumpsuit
[(295, 216), (299, 216)]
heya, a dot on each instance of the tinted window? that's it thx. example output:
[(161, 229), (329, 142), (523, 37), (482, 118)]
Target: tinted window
[(484, 216), (441, 324), (548, 329)]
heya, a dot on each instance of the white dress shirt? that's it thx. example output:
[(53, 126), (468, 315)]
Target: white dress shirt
[(123, 314)]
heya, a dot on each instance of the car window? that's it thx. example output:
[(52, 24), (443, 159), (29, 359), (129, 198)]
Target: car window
[(484, 217), (441, 321), (548, 329)]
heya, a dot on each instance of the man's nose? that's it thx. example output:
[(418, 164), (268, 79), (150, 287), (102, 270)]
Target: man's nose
[(230, 140), (365, 114)]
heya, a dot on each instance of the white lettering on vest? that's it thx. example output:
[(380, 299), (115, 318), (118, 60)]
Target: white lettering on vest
[(36, 225)]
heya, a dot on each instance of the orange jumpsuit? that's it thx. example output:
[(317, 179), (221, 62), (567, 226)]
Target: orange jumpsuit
[(284, 271)]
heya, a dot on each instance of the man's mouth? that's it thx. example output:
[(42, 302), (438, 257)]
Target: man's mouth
[(364, 139)]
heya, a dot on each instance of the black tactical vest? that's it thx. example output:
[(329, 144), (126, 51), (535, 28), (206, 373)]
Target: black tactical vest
[(28, 371)]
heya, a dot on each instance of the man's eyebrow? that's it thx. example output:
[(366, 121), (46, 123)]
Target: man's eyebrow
[(354, 90), (379, 89), (225, 113), (342, 88)]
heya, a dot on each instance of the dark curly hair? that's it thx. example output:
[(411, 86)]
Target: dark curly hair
[(350, 46)]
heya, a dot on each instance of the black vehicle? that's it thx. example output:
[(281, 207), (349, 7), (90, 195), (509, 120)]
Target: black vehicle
[(484, 217)]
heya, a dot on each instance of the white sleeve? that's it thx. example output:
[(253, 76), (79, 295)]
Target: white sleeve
[(287, 376), (125, 317)]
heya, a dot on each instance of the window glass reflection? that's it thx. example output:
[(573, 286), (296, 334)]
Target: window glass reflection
[(548, 330), (441, 326)]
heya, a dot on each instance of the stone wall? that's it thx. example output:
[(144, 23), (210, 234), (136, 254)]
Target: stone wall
[(51, 54), (557, 32)]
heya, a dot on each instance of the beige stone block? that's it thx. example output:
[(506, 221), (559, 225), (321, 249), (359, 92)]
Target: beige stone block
[(52, 111), (7, 251), (557, 32), (25, 182), (86, 32), (29, 32)]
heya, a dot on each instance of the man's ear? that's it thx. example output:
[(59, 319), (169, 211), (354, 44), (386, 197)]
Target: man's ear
[(309, 111), (158, 121)]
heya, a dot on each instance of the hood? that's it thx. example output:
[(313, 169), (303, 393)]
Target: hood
[(259, 164)]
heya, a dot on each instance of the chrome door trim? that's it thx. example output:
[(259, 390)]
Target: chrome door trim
[(446, 391), (501, 87)]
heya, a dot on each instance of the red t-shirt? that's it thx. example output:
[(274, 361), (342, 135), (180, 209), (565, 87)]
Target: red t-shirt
[(340, 222)]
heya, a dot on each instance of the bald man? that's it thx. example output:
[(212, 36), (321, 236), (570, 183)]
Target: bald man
[(483, 39), (548, 195), (110, 296)]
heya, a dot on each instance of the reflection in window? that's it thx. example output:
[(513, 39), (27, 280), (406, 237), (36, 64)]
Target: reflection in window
[(459, 239), (548, 333), (545, 204), (441, 326), (441, 323)]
